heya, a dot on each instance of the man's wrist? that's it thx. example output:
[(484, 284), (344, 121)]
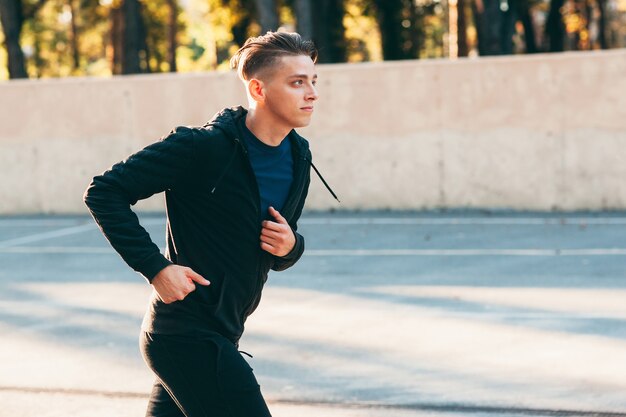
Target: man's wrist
[(154, 265), (293, 252)]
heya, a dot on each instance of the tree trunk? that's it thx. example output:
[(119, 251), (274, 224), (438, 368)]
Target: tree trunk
[(507, 26), (488, 24), (117, 40), (329, 32), (173, 30), (240, 26), (602, 24), (240, 30), (495, 26), (529, 28), (12, 19), (131, 62), (304, 18), (477, 9), (37, 30), (268, 15), (555, 28), (74, 38), (144, 51), (416, 31), (462, 29), (389, 16), (588, 18)]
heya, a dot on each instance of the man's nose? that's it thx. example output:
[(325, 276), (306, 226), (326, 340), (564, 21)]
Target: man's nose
[(312, 93)]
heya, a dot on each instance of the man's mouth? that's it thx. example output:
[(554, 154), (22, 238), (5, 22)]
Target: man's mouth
[(307, 108)]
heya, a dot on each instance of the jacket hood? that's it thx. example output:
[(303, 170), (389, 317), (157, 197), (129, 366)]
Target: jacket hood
[(228, 119)]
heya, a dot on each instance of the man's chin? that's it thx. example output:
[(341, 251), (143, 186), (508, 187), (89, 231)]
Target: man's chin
[(303, 123)]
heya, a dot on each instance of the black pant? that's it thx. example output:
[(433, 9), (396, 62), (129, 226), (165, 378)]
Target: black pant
[(200, 377)]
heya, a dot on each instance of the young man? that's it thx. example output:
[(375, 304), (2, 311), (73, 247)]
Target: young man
[(234, 191)]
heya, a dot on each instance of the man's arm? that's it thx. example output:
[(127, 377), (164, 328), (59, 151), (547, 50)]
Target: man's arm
[(160, 166)]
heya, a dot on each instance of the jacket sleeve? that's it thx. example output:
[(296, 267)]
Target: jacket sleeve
[(158, 167), (283, 262)]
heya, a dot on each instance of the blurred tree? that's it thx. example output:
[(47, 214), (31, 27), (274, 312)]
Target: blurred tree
[(389, 16), (602, 24), (304, 18), (134, 48), (130, 51), (415, 29), (402, 26), (267, 12), (163, 20), (242, 20), (145, 36), (362, 35), (55, 38), (523, 13), (172, 34), (463, 49), (13, 15), (93, 25), (329, 31), (433, 26), (74, 11), (495, 26), (555, 28)]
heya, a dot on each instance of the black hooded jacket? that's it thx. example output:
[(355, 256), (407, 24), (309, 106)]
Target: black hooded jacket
[(213, 222)]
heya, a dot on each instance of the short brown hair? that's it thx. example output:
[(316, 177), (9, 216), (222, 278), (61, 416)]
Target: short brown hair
[(263, 51)]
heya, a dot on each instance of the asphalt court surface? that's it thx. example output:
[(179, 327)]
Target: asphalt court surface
[(388, 313)]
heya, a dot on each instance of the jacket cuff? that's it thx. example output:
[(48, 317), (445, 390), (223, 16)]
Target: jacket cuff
[(153, 265), (296, 251)]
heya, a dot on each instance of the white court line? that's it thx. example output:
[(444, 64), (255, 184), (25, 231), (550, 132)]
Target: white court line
[(363, 252), (39, 222), (47, 235), (57, 249), (521, 221), (528, 221), (63, 222), (467, 252)]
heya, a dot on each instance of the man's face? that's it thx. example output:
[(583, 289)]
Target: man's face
[(290, 91)]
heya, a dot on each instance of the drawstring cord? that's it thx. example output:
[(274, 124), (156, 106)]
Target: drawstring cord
[(324, 181), (246, 353), (232, 158)]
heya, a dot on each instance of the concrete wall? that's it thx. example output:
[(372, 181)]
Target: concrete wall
[(534, 132)]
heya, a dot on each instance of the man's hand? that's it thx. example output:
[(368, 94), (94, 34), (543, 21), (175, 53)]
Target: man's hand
[(277, 237), (175, 282)]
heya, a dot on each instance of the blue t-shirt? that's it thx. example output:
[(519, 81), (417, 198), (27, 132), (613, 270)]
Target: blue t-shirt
[(273, 168)]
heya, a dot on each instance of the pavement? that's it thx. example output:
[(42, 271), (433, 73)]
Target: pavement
[(394, 314)]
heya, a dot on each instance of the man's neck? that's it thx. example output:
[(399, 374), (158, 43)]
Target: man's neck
[(265, 129)]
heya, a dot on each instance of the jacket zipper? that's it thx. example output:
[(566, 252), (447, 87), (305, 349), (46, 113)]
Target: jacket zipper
[(244, 313), (297, 177)]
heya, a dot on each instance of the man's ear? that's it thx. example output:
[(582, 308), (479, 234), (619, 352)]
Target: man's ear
[(256, 89)]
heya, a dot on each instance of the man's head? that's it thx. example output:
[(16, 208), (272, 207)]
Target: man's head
[(260, 55), (278, 70)]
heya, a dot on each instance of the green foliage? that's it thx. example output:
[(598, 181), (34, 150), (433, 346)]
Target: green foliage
[(210, 31)]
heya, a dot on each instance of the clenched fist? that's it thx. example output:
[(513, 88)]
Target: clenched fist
[(277, 237)]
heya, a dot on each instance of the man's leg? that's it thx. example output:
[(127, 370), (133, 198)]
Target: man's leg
[(205, 378), (161, 403), (238, 385)]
